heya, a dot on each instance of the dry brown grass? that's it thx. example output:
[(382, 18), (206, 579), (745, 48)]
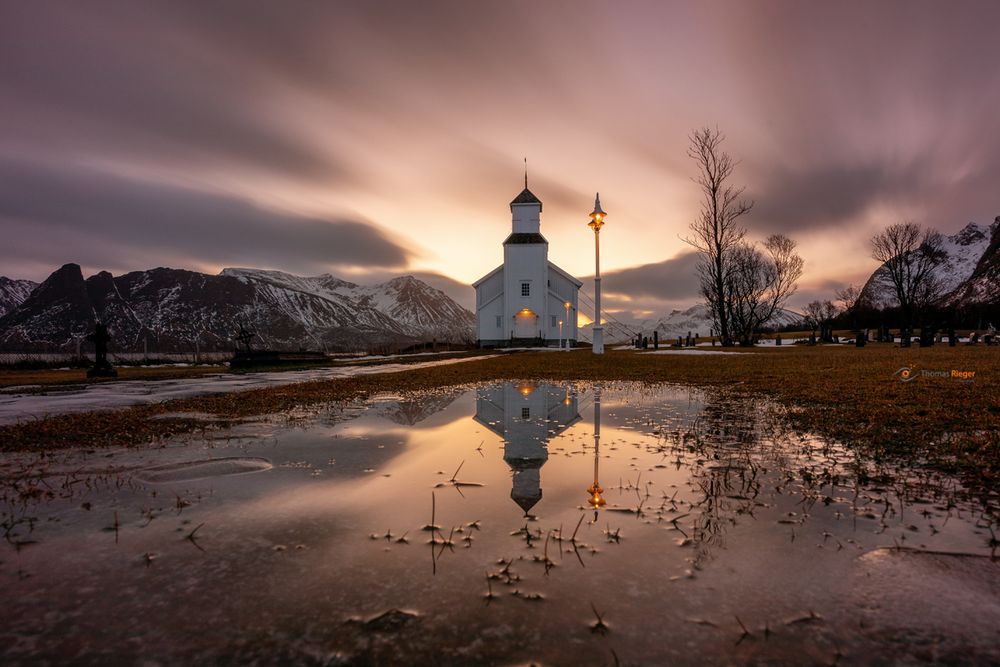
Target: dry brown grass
[(847, 394), (53, 377)]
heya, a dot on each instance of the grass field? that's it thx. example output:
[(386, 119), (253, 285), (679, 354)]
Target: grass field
[(849, 394)]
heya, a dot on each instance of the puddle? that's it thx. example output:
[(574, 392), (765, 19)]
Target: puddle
[(508, 523)]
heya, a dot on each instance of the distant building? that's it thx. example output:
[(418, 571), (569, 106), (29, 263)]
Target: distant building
[(526, 416), (522, 301)]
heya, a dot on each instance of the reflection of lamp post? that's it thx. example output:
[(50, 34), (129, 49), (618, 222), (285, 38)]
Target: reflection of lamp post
[(596, 500), (567, 304), (596, 222)]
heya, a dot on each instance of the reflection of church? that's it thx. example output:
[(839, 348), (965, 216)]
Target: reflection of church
[(526, 416)]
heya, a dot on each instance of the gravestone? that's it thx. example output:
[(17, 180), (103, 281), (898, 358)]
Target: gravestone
[(905, 337), (777, 340), (102, 367), (926, 336), (656, 339), (952, 339), (860, 338)]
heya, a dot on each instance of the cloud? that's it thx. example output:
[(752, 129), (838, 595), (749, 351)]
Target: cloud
[(417, 115), (71, 213), (133, 82), (651, 288), (791, 201)]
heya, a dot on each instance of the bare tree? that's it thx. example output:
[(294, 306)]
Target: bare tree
[(851, 299), (716, 232), (759, 283), (909, 255), (819, 315)]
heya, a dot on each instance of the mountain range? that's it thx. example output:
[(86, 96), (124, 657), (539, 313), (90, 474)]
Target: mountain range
[(172, 310), (696, 320)]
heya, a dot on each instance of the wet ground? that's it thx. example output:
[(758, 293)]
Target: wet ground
[(467, 527)]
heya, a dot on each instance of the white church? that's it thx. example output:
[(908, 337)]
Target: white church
[(525, 300)]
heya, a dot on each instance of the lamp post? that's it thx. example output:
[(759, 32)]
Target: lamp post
[(596, 222), (567, 304), (560, 334)]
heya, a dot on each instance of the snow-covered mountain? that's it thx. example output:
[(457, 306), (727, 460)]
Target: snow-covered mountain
[(172, 309), (962, 280), (13, 293), (404, 305)]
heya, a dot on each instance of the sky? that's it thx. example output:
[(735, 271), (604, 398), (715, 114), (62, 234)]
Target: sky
[(371, 139)]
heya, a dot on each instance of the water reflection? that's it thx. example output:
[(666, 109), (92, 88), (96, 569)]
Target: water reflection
[(526, 415), (595, 490), (711, 509)]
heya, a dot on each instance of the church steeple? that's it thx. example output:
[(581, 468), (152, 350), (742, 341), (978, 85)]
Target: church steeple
[(526, 196)]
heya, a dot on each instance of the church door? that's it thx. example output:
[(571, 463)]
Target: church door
[(525, 324)]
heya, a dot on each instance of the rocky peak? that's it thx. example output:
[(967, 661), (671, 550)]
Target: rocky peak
[(971, 233), (13, 293)]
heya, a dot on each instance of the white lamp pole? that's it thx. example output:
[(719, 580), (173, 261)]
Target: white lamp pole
[(560, 334), (567, 304), (596, 222)]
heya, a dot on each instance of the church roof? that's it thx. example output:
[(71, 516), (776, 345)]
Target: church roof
[(527, 197)]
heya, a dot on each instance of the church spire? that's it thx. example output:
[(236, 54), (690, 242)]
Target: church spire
[(526, 196)]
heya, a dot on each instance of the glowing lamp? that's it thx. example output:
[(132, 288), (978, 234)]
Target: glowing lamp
[(597, 215)]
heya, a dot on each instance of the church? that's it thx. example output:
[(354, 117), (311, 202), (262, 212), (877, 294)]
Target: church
[(524, 300)]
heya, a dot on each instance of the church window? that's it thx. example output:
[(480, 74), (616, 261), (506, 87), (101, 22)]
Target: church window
[(499, 321), (525, 413), (525, 289), (553, 320)]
